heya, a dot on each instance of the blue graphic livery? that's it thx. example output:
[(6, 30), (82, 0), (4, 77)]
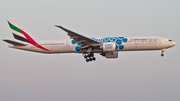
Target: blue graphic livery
[(117, 40)]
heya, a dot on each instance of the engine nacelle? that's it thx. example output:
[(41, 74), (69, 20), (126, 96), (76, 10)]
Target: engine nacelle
[(110, 54), (108, 47)]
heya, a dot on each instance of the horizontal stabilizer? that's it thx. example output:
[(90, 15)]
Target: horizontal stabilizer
[(14, 43)]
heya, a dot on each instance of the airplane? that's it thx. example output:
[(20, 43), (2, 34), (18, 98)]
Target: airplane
[(107, 46)]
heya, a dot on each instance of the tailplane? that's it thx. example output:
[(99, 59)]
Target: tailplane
[(14, 43)]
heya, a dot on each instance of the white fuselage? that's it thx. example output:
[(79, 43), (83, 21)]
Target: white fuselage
[(132, 44)]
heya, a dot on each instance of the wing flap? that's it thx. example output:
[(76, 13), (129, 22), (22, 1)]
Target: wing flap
[(14, 43)]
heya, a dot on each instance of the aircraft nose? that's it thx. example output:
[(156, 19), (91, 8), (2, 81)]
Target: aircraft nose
[(173, 44)]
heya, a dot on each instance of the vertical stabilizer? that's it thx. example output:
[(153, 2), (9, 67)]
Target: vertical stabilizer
[(16, 31), (22, 36)]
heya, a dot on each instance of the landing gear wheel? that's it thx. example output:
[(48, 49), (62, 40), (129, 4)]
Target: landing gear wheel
[(90, 59), (87, 60), (163, 50), (85, 56), (93, 58)]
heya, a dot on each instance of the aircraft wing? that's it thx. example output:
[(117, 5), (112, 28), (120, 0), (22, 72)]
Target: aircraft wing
[(85, 41)]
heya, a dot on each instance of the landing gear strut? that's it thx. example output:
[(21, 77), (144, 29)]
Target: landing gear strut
[(89, 57), (162, 54)]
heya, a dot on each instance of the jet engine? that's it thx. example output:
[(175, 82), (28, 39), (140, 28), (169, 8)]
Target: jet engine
[(108, 47), (110, 54)]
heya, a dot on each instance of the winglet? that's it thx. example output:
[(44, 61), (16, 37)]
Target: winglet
[(63, 28), (58, 26)]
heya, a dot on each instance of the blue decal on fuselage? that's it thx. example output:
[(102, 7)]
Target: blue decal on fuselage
[(77, 48), (79, 44), (121, 47), (73, 41), (117, 40), (124, 40)]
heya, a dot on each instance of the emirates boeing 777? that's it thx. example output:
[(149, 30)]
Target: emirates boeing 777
[(107, 46)]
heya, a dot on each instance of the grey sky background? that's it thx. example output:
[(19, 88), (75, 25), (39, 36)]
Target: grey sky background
[(134, 76)]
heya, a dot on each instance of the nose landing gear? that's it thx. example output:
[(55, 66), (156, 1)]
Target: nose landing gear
[(89, 57), (163, 50), (162, 54)]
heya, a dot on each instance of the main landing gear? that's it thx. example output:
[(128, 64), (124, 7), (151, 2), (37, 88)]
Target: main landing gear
[(89, 57), (162, 54)]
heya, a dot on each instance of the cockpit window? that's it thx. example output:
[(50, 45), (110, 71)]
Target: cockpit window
[(170, 40)]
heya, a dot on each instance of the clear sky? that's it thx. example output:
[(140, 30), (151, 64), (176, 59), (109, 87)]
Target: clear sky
[(134, 76)]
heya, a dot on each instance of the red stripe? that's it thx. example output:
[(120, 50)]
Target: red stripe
[(32, 41)]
